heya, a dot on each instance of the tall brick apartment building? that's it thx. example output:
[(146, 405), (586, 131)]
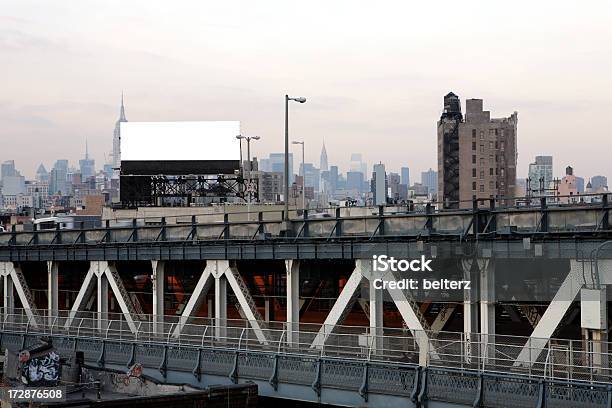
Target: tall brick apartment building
[(476, 154)]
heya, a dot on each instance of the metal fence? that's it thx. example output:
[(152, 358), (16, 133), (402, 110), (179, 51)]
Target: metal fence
[(558, 359)]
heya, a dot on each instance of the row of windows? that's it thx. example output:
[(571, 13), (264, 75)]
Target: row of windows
[(497, 145), (498, 172), (492, 132), (492, 185), (497, 158)]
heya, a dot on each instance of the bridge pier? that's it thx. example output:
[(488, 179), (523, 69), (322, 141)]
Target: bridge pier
[(293, 302), (52, 290), (9, 294), (102, 301), (159, 280), (487, 308), (220, 302)]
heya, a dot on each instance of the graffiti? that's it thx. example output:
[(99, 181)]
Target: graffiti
[(41, 370)]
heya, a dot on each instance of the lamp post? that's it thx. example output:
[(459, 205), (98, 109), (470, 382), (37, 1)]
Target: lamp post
[(250, 167), (287, 99), (303, 175)]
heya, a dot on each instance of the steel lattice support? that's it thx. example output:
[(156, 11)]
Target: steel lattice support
[(406, 307), (14, 282), (99, 277), (576, 279), (222, 272)]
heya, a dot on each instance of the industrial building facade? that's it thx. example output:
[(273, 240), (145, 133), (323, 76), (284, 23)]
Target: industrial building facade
[(477, 154)]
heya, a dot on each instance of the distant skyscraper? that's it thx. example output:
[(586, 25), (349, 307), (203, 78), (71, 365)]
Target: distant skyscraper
[(599, 182), (7, 169), (379, 185), (333, 179), (580, 184), (42, 175), (117, 138), (87, 165), (323, 164), (277, 164), (393, 182), (357, 164), (429, 179), (58, 180), (354, 181), (311, 176), (541, 176), (405, 173)]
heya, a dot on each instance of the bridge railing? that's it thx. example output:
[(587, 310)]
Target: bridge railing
[(364, 222), (562, 359)]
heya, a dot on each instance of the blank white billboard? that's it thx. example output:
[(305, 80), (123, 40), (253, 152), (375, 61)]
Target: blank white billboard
[(213, 140)]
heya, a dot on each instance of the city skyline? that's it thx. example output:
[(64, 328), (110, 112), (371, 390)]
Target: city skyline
[(191, 74)]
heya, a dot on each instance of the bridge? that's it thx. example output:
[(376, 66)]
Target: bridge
[(155, 291)]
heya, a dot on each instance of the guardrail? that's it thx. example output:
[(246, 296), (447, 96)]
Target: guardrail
[(586, 218), (561, 359)]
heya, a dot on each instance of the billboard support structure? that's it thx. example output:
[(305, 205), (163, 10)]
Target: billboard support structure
[(180, 164)]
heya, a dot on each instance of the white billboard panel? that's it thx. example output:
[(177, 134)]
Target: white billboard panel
[(211, 140)]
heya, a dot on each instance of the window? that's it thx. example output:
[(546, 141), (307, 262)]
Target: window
[(482, 161), (491, 159), (481, 148), (496, 144), (491, 185), (481, 174), (482, 188), (474, 172), (491, 145), (495, 158), (491, 132), (502, 133), (473, 145), (502, 145), (482, 135), (502, 172), (473, 159), (496, 132), (474, 133), (490, 171), (474, 185)]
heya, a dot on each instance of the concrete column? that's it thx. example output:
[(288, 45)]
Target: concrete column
[(52, 290), (470, 308), (9, 295), (267, 310), (293, 302), (220, 306), (376, 317), (159, 280), (487, 307), (102, 301)]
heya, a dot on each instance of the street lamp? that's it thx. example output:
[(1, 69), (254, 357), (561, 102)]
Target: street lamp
[(287, 99), (303, 175), (250, 166)]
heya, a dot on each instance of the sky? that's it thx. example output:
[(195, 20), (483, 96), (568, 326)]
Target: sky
[(374, 74)]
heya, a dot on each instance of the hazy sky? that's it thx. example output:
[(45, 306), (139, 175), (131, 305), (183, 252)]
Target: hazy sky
[(374, 74)]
